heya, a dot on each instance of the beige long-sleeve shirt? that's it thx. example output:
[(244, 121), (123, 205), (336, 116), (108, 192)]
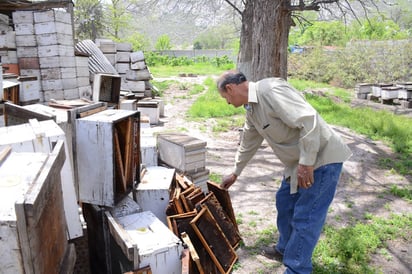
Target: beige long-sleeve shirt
[(279, 114)]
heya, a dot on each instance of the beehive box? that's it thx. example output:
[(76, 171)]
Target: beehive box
[(38, 136), (150, 109), (33, 227), (389, 92), (153, 192), (145, 241), (98, 233), (181, 151), (106, 88), (29, 89), (108, 156)]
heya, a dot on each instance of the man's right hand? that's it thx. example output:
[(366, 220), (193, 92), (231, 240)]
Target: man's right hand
[(228, 180)]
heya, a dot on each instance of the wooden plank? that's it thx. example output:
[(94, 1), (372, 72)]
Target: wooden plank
[(185, 261), (120, 172), (193, 253), (4, 153), (223, 197), (214, 240), (42, 225), (16, 115), (122, 238), (177, 202), (92, 111), (128, 149)]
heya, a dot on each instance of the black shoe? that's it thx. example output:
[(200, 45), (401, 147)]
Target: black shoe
[(271, 253)]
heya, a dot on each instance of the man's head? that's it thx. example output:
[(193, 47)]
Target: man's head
[(233, 86)]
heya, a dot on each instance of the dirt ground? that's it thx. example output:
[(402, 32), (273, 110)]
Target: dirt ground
[(363, 188)]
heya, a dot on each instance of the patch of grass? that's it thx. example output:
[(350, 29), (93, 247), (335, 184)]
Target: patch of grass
[(211, 104), (264, 237), (228, 123), (252, 212), (395, 130), (196, 89), (214, 177), (347, 250), (161, 86), (405, 193)]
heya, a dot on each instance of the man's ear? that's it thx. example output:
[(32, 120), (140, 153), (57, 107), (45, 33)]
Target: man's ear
[(229, 87)]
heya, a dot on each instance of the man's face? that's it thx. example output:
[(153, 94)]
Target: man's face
[(230, 95)]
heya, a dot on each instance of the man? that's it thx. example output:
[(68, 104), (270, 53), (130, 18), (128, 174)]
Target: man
[(311, 151)]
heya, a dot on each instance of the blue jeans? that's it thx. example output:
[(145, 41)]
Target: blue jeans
[(301, 217)]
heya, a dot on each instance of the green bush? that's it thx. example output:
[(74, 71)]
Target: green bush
[(358, 62)]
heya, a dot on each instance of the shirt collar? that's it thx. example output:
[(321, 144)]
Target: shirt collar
[(252, 96)]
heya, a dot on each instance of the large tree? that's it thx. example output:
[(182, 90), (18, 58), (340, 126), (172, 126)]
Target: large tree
[(265, 30), (265, 26)]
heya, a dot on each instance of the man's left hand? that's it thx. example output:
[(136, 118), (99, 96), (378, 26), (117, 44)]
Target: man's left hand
[(305, 176)]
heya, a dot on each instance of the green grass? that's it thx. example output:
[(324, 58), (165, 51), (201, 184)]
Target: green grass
[(212, 105), (347, 250), (394, 130)]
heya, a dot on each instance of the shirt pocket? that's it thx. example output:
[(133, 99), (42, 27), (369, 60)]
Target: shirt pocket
[(277, 132)]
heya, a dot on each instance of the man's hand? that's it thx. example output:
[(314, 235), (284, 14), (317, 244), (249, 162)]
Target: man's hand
[(305, 176), (228, 180)]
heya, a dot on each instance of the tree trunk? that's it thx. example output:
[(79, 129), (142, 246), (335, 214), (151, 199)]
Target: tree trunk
[(264, 39)]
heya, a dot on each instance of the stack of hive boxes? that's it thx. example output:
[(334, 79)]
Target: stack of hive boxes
[(185, 153), (108, 185), (8, 53), (130, 65), (54, 35), (45, 50)]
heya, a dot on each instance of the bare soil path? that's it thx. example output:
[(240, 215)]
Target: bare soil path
[(364, 186)]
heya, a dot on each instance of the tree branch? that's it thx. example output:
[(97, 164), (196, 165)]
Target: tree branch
[(234, 6)]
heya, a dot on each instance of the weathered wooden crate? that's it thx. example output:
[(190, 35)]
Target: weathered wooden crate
[(389, 92), (29, 63), (181, 151), (23, 17), (8, 40), (24, 29), (150, 109), (64, 117), (56, 50), (33, 227), (145, 241), (138, 65), (57, 62), (404, 94), (136, 56), (25, 41), (39, 137), (108, 156), (138, 75), (29, 89), (11, 91), (123, 57), (52, 15), (27, 52), (122, 68), (153, 192), (106, 88), (53, 27), (148, 149), (134, 86), (98, 233), (54, 39), (124, 47)]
